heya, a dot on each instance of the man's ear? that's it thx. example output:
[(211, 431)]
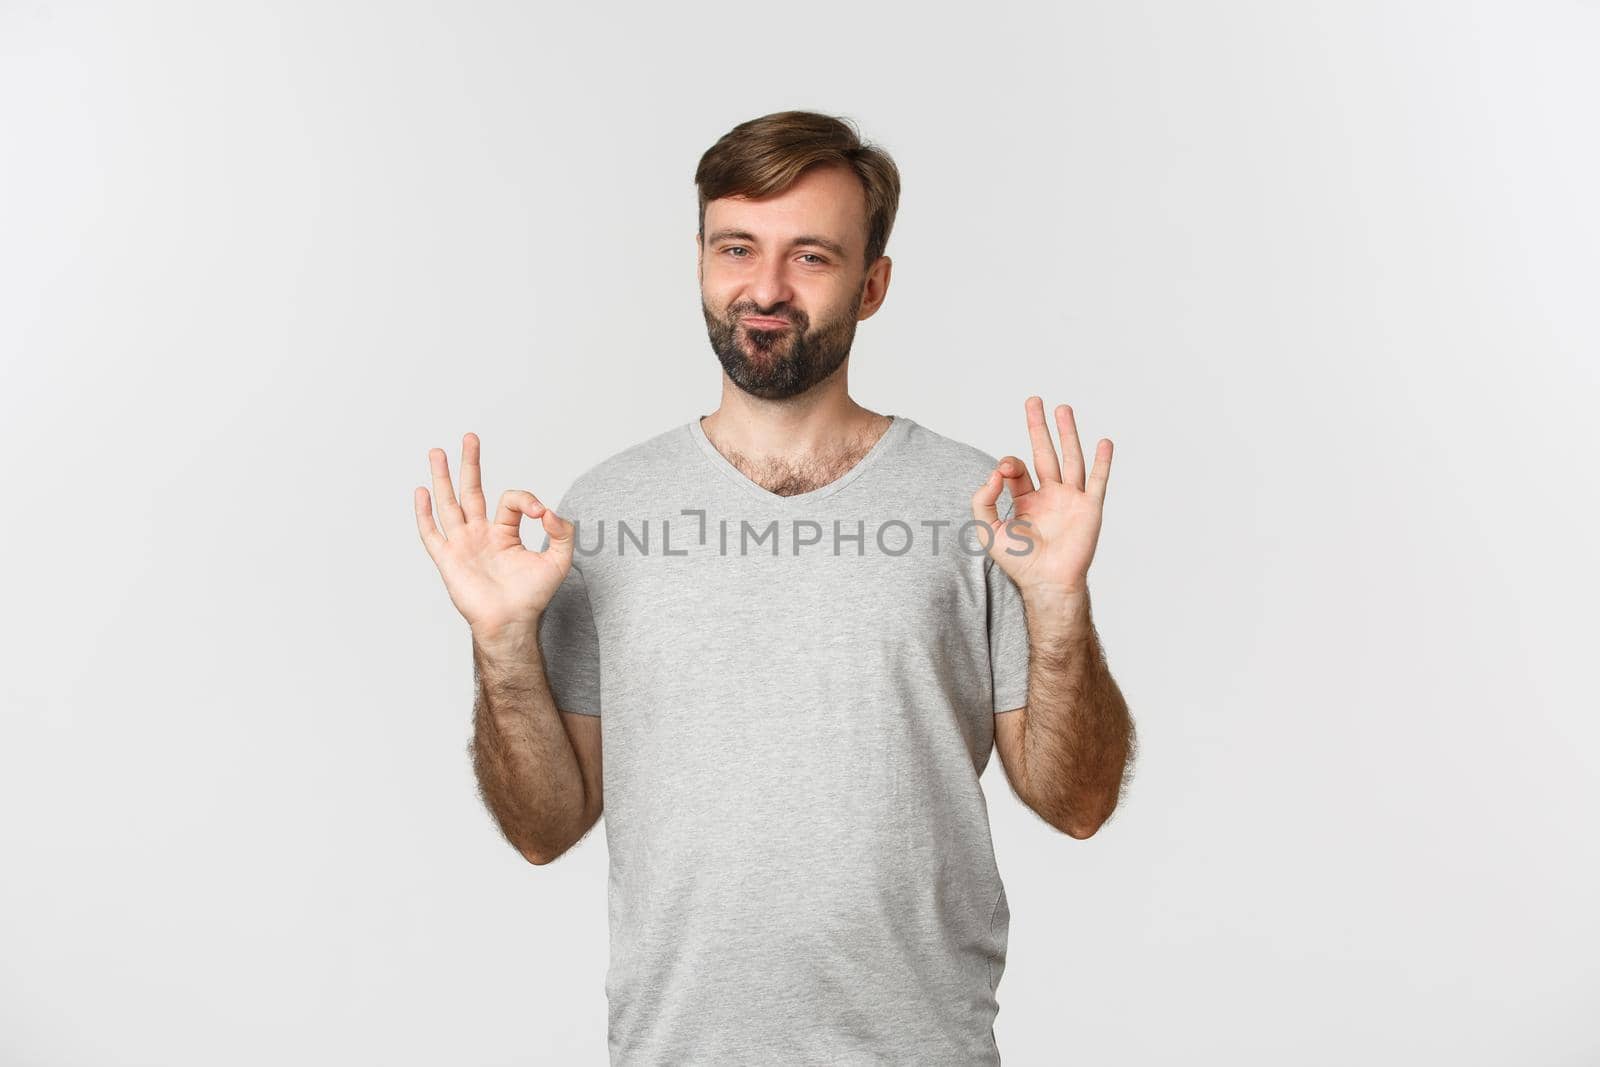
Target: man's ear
[(875, 288)]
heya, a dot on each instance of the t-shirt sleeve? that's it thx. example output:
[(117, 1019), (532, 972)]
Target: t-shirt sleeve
[(1008, 637), (568, 639)]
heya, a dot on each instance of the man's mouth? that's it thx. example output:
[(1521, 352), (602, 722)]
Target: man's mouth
[(755, 322)]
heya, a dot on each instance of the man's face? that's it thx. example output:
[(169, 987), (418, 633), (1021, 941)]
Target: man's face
[(781, 282)]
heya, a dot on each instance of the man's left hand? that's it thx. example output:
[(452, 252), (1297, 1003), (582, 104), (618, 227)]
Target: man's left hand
[(1049, 557)]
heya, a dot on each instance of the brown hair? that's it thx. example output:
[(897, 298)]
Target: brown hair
[(765, 156)]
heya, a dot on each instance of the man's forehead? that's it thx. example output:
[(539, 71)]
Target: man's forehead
[(822, 203)]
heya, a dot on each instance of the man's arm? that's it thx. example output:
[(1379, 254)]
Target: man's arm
[(538, 769), (541, 785), (1069, 750), (1066, 751)]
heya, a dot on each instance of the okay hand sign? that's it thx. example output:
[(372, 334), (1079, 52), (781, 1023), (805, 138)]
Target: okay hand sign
[(1063, 511), (493, 579)]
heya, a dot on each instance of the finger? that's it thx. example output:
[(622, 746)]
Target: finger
[(1071, 450), (432, 539), (1044, 449), (444, 494), (1018, 480), (983, 501), (472, 502), (515, 503), (1101, 473)]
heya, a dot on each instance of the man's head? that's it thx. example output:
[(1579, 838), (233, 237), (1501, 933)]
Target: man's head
[(795, 212)]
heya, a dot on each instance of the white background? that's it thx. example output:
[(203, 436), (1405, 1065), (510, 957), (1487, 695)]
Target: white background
[(1325, 273)]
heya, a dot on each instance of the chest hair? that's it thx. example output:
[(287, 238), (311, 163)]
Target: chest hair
[(793, 476)]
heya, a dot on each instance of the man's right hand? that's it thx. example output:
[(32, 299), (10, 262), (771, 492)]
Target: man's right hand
[(500, 587)]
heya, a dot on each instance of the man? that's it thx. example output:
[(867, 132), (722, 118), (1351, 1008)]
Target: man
[(796, 628)]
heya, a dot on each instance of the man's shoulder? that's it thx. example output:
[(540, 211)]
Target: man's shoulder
[(948, 467), (942, 452), (927, 437), (622, 474)]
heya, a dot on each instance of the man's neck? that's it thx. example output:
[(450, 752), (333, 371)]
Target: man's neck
[(795, 430)]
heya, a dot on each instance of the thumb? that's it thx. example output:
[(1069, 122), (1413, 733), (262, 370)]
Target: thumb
[(558, 531), (985, 499)]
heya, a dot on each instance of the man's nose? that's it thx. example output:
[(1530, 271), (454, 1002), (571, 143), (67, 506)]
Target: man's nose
[(771, 285)]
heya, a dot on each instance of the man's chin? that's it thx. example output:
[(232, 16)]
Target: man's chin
[(768, 355)]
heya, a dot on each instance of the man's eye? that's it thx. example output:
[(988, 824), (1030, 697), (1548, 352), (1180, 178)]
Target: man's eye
[(819, 260)]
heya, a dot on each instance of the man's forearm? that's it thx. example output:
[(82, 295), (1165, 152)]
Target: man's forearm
[(1077, 736), (527, 771)]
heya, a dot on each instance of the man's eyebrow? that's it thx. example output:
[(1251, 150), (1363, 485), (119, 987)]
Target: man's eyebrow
[(807, 239)]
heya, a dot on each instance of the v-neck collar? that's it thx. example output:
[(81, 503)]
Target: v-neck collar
[(889, 438)]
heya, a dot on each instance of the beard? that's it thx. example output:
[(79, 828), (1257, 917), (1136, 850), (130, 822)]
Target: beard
[(780, 363)]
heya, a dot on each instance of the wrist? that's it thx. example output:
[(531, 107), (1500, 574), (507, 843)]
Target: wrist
[(1055, 609), (511, 636), (1057, 598)]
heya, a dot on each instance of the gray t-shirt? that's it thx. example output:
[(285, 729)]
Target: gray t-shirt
[(797, 698)]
